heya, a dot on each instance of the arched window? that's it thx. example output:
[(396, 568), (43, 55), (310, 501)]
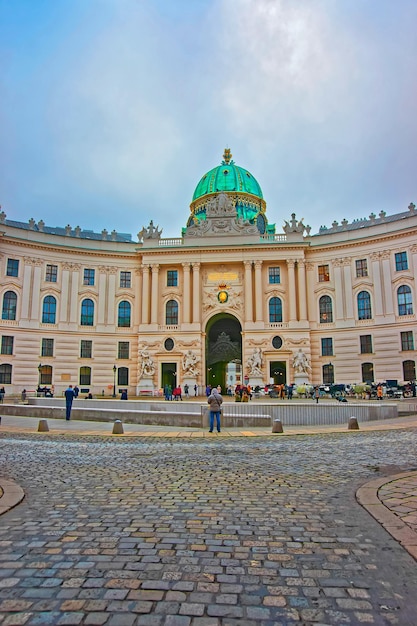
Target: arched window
[(275, 310), (409, 370), (85, 375), (367, 372), (405, 302), (123, 318), (326, 310), (364, 306), (9, 306), (87, 312), (49, 310), (123, 376), (5, 374), (171, 317)]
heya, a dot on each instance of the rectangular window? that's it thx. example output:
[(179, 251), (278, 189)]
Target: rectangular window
[(407, 340), (123, 350), (7, 345), (125, 279), (274, 275), (51, 273), (12, 267), (327, 346), (366, 344), (324, 275), (47, 347), (361, 268), (86, 351), (172, 278), (88, 277), (401, 262)]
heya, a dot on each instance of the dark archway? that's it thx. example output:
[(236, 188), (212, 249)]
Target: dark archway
[(278, 372), (223, 346)]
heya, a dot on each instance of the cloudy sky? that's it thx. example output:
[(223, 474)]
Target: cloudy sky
[(112, 110)]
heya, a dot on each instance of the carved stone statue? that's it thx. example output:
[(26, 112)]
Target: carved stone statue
[(254, 363), (189, 363), (147, 367), (300, 363), (152, 232)]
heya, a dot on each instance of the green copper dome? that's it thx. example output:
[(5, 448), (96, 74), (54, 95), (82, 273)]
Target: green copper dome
[(240, 186), (227, 177)]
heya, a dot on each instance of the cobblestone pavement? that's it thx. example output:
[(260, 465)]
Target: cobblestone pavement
[(202, 532)]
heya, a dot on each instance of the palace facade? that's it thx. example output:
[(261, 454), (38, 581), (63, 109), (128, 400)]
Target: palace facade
[(230, 300)]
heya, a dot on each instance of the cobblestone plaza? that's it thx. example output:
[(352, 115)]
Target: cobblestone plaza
[(202, 531)]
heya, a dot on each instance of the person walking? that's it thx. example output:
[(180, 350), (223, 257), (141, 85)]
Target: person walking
[(215, 402), (69, 397), (195, 390), (317, 394), (186, 390)]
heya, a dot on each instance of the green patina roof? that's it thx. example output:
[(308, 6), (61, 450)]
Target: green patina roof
[(227, 177)]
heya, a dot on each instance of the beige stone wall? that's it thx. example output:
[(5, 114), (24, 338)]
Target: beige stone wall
[(202, 269)]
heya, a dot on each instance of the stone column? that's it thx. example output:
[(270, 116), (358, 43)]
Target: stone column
[(196, 293), (186, 304), (291, 291), (248, 291), (155, 293), (259, 300), (387, 284), (302, 294), (145, 294), (376, 273)]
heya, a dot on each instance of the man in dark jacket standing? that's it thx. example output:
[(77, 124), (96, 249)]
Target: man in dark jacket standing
[(69, 397), (215, 402)]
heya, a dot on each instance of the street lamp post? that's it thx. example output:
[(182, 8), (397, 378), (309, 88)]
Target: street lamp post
[(40, 374), (114, 381)]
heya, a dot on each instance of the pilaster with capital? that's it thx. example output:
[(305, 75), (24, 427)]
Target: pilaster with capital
[(302, 293), (259, 301), (248, 291), (348, 291), (145, 294), (196, 293), (387, 282), (154, 293), (413, 249), (376, 272), (339, 291), (137, 288), (291, 289), (186, 293), (26, 289)]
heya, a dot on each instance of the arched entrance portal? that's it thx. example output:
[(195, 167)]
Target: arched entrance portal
[(223, 350)]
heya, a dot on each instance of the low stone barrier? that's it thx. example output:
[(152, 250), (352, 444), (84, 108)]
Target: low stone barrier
[(195, 415)]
